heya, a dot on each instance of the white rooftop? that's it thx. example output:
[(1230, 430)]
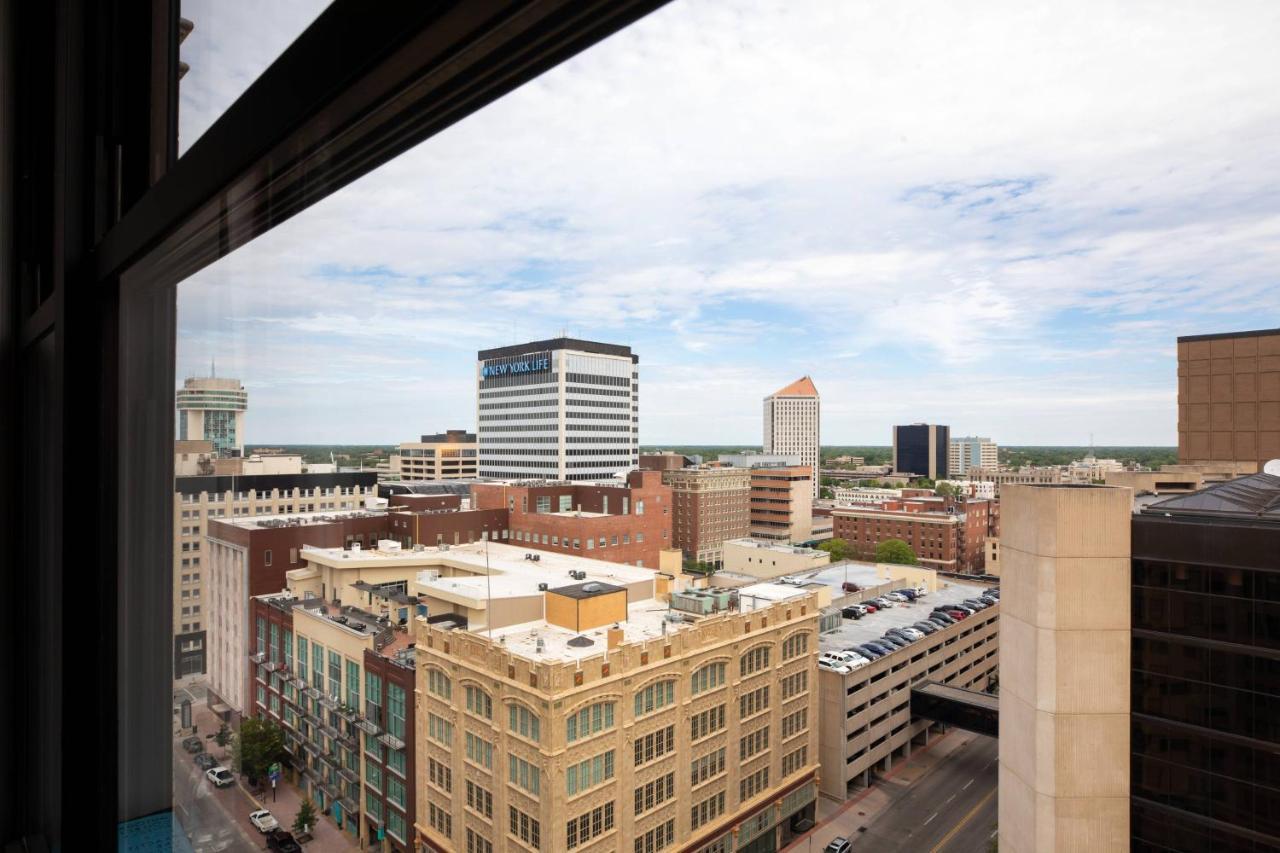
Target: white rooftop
[(509, 572), (765, 545), (296, 519), (645, 621)]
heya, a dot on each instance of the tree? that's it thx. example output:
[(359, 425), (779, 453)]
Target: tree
[(223, 737), (259, 745), (895, 551), (837, 548), (306, 817), (826, 493), (946, 490)]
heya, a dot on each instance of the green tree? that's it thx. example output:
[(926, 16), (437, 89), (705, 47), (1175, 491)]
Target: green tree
[(306, 817), (946, 490), (837, 548), (895, 551), (259, 745), (223, 737), (826, 493)]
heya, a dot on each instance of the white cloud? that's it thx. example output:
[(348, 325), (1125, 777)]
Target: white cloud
[(938, 203)]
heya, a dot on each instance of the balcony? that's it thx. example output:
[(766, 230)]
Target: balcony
[(271, 665), (258, 657), (350, 775), (390, 741), (367, 726), (348, 713)]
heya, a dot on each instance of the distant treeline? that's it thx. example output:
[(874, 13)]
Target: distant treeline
[(344, 454), (1152, 457)]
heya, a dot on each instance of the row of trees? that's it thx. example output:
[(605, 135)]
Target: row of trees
[(258, 745), (889, 551)]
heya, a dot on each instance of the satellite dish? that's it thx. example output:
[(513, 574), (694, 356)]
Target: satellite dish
[(1272, 468)]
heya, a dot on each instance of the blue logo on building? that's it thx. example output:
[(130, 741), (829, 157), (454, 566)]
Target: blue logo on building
[(532, 364)]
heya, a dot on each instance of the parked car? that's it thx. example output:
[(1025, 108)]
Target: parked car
[(192, 745), (205, 761), (897, 597), (896, 642), (974, 604), (910, 593), (882, 602), (850, 586), (839, 844), (910, 632), (870, 652), (936, 620), (989, 600), (871, 606), (924, 627), (941, 613), (882, 647), (959, 613), (836, 659), (280, 841), (854, 611), (221, 777), (967, 608), (263, 820)]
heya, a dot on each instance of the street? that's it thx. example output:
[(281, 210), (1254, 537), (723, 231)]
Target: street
[(930, 805)]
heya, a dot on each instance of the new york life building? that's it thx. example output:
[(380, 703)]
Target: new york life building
[(559, 409)]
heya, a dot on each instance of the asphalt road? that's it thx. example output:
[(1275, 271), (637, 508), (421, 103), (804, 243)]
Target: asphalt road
[(215, 819), (952, 809)]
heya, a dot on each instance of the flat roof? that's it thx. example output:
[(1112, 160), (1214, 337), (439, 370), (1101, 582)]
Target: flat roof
[(1255, 497), (765, 545), (298, 519), (648, 619), (589, 589), (576, 344), (1256, 333), (873, 626)]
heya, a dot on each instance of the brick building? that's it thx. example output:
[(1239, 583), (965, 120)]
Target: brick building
[(620, 524), (709, 507), (249, 557), (340, 680), (782, 503), (947, 534)]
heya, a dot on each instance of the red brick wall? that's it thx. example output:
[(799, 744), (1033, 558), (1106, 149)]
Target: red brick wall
[(285, 545)]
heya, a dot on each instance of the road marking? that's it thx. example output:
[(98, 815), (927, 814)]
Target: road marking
[(950, 798), (931, 817), (952, 834), (967, 784)]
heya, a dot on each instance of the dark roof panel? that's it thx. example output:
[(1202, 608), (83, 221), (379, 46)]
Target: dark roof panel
[(1255, 496)]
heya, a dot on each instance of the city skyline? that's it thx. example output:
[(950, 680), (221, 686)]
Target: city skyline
[(977, 227)]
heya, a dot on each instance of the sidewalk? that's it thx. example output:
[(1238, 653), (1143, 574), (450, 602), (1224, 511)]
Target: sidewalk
[(326, 837), (837, 818)]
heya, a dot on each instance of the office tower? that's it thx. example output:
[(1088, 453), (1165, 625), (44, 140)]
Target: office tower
[(1229, 400), (782, 503), (708, 507), (971, 452), (560, 409), (1064, 686), (1205, 673), (447, 455), (212, 409), (792, 417), (921, 449)]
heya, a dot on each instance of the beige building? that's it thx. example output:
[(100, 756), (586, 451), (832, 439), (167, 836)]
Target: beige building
[(792, 425), (1229, 399), (447, 455), (764, 560), (782, 503), (1027, 475), (1162, 482), (709, 506), (1064, 701), (617, 717), (968, 452), (242, 466), (199, 498)]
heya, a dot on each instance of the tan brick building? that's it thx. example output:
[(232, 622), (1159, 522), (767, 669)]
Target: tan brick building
[(782, 503), (449, 455), (691, 727), (1229, 399), (709, 506)]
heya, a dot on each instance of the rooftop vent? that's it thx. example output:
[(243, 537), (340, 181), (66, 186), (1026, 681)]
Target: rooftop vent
[(592, 587), (580, 642)]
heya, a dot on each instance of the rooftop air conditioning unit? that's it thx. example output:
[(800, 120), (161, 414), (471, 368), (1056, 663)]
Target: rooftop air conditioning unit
[(542, 587)]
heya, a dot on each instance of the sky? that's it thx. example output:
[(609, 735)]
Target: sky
[(993, 215)]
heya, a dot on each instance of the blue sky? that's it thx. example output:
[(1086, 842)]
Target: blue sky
[(998, 216)]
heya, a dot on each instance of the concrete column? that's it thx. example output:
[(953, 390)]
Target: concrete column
[(1064, 659)]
